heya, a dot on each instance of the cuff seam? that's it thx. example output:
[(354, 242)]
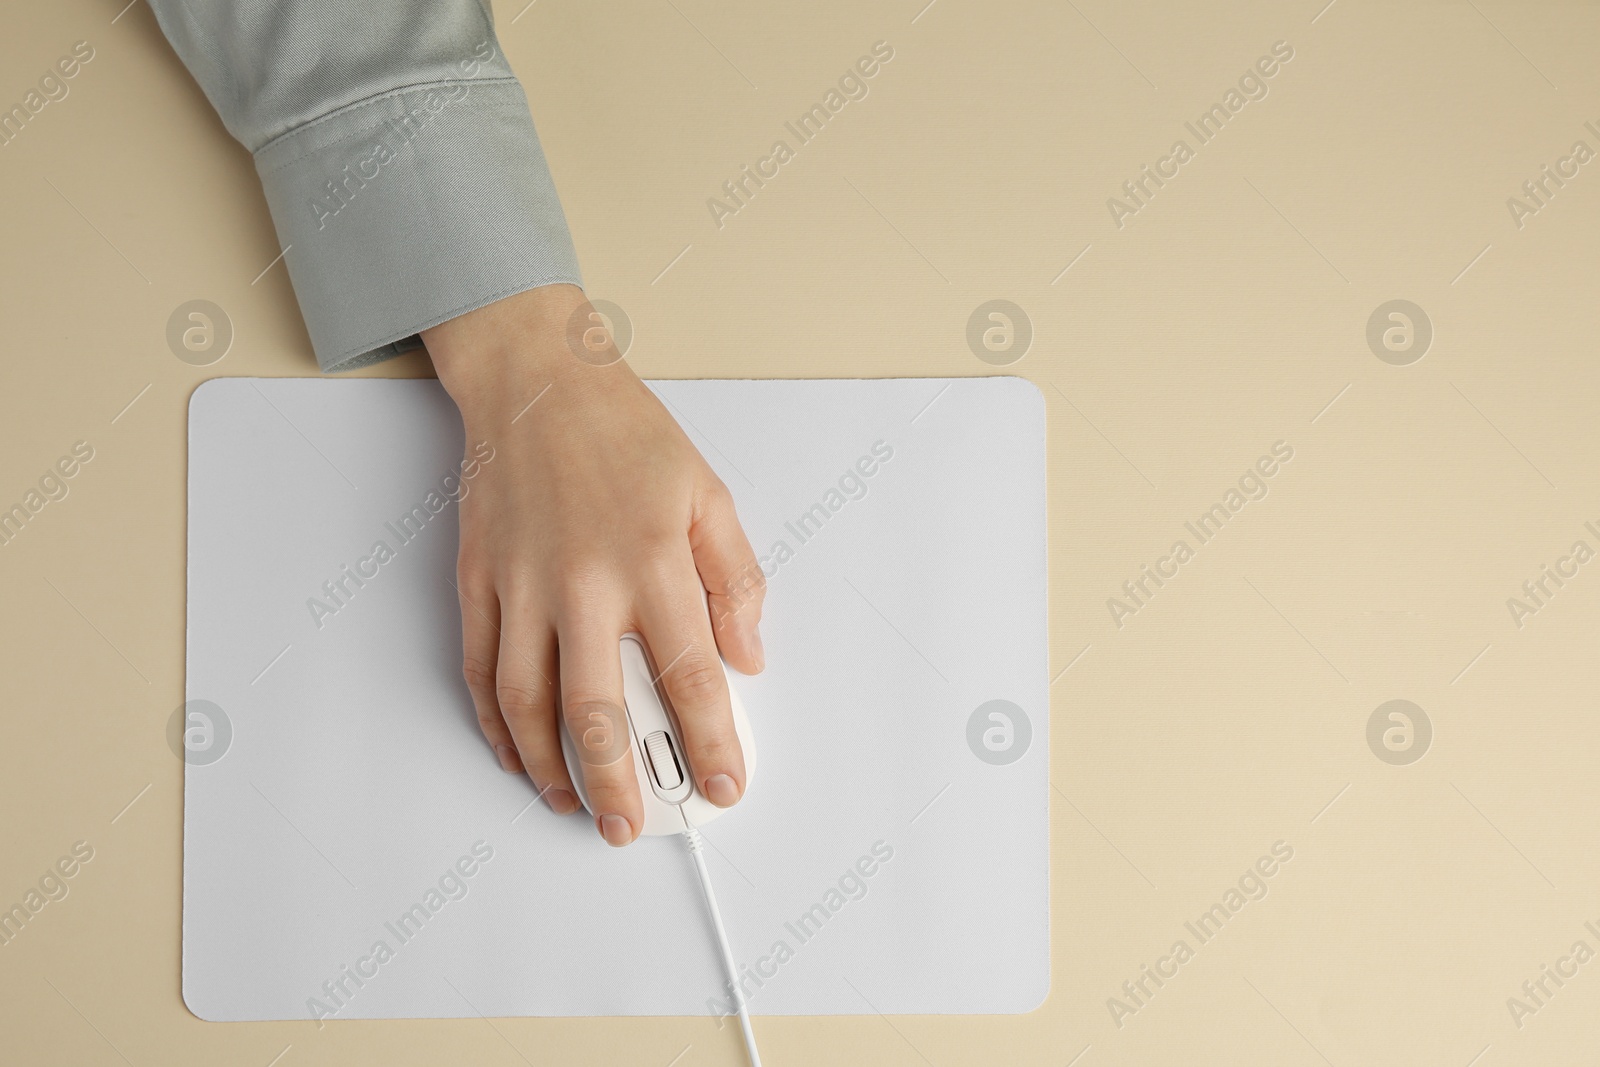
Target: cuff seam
[(365, 103)]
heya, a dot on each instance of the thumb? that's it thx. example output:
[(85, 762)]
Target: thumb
[(732, 577)]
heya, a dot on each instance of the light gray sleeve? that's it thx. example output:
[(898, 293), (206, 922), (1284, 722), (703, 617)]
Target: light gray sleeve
[(397, 153)]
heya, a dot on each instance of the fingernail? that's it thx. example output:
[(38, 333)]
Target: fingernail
[(510, 762), (616, 831), (721, 791), (561, 802), (761, 652)]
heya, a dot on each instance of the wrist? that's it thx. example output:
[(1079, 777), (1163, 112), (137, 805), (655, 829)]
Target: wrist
[(498, 357)]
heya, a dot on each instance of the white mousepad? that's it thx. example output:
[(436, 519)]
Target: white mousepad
[(352, 849)]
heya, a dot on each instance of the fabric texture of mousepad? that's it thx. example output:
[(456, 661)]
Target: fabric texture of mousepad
[(352, 849)]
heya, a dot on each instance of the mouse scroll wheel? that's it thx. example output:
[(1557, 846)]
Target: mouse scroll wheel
[(663, 761)]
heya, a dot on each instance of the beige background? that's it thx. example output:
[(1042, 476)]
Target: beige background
[(1228, 314)]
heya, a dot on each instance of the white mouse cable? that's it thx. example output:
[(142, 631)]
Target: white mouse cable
[(696, 843)]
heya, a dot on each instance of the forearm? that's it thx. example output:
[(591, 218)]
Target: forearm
[(397, 155)]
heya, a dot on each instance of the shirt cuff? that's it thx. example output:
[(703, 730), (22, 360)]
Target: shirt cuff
[(407, 209)]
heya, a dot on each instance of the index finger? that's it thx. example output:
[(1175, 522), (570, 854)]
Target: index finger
[(672, 615)]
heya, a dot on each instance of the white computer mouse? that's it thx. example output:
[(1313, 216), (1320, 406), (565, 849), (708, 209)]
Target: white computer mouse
[(673, 802)]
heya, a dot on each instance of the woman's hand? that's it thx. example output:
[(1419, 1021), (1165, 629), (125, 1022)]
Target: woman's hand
[(596, 518)]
